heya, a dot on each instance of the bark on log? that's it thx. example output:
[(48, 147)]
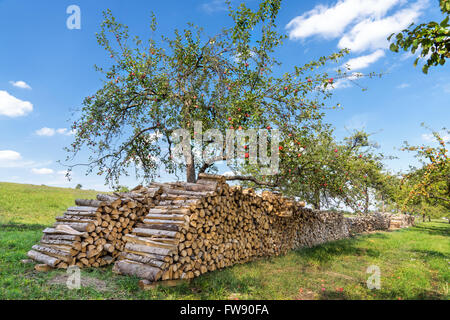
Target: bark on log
[(129, 267), (41, 257)]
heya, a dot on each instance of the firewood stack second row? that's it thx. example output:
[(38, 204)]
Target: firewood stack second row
[(204, 226)]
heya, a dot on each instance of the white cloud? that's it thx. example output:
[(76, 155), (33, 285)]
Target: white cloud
[(331, 21), (372, 33), (364, 61), (49, 132), (214, 5), (20, 84), (429, 137), (403, 86), (13, 159), (42, 171), (9, 155), (10, 106), (65, 132)]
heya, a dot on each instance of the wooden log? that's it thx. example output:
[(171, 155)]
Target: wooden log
[(167, 216), (106, 198), (83, 209), (51, 251), (88, 203), (79, 219), (169, 210), (41, 257), (63, 237), (148, 242), (81, 227), (156, 233), (214, 177), (128, 267), (165, 222), (148, 249), (143, 259), (83, 213), (64, 230)]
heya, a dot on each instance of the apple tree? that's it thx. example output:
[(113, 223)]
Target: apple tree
[(431, 182), (227, 81)]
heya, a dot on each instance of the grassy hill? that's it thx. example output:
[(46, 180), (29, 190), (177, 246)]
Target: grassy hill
[(414, 262), (31, 204)]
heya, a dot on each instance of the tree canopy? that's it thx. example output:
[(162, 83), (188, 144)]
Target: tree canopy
[(226, 81)]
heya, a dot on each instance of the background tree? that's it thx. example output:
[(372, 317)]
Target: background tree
[(316, 168), (432, 38), (225, 81), (429, 184)]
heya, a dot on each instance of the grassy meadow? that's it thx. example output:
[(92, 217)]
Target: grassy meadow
[(414, 262)]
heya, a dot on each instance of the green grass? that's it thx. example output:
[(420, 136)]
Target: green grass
[(414, 263), (30, 204)]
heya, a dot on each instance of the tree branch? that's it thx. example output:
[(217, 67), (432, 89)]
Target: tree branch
[(252, 179)]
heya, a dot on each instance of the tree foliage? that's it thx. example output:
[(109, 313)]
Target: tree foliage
[(431, 182), (316, 168), (225, 81), (432, 38)]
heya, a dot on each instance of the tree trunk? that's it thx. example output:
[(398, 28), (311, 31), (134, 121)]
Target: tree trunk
[(316, 200), (366, 200), (190, 170), (423, 218)]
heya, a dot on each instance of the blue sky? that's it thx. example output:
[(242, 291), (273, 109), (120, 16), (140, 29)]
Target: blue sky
[(47, 69)]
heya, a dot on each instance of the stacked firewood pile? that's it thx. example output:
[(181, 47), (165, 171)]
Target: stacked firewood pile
[(401, 221), (205, 226), (170, 231), (317, 227), (368, 222), (91, 234)]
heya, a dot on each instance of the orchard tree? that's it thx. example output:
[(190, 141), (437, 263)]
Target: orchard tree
[(431, 182), (227, 81), (317, 169), (432, 38)]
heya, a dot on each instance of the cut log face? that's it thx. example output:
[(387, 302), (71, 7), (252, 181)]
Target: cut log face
[(180, 230)]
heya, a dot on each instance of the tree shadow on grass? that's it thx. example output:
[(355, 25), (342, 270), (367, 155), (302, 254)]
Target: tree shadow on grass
[(332, 295), (12, 226), (432, 253), (327, 252), (219, 284), (444, 231)]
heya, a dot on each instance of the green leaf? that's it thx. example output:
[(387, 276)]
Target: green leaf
[(415, 62), (444, 22), (393, 47)]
